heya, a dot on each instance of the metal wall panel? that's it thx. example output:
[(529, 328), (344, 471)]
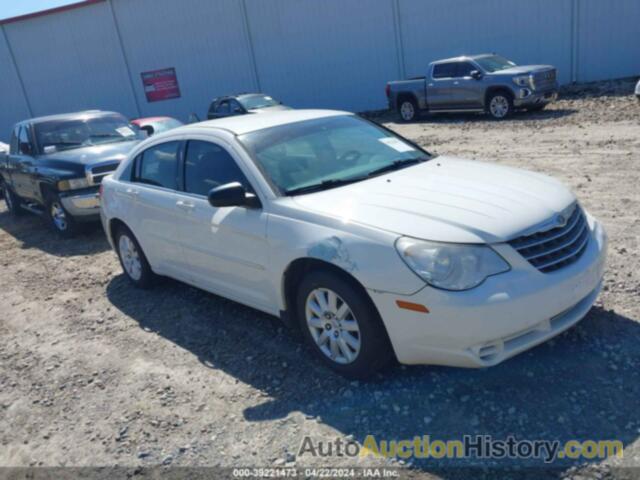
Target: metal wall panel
[(13, 105), (329, 54), (204, 40), (608, 39), (528, 33), (71, 61)]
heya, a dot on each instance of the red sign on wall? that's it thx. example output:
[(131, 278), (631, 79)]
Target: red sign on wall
[(160, 84)]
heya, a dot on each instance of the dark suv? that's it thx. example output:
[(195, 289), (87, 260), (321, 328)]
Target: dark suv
[(242, 104)]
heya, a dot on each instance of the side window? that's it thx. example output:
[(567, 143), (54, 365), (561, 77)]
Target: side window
[(209, 166), (444, 70), (24, 144), (13, 148), (464, 69), (223, 107), (127, 173), (235, 107), (158, 165)]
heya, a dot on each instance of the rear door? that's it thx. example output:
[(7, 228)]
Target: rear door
[(154, 215), (440, 84), (23, 164), (226, 247)]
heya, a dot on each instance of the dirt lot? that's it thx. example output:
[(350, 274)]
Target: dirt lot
[(95, 373)]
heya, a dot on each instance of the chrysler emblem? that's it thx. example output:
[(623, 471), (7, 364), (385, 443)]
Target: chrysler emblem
[(561, 220)]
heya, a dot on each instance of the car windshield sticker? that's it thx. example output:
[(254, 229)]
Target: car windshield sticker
[(125, 132), (396, 144)]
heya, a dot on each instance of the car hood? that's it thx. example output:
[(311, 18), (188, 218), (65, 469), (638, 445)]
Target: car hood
[(448, 200), (523, 69), (94, 154)]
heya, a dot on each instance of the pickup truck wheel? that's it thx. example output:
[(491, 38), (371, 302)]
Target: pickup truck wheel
[(133, 260), (500, 105), (11, 200), (408, 110), (341, 325), (59, 219)]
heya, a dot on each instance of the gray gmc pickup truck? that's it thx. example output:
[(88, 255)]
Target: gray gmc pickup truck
[(478, 83), (55, 165)]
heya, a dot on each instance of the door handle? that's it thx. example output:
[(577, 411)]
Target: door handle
[(132, 192), (185, 205), (456, 83)]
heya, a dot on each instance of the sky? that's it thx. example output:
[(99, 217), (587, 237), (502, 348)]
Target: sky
[(13, 8)]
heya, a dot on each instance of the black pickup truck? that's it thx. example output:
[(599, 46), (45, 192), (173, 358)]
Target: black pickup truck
[(55, 164)]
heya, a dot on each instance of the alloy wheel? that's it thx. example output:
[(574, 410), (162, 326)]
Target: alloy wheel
[(333, 326), (407, 111), (59, 216), (130, 257), (499, 106)]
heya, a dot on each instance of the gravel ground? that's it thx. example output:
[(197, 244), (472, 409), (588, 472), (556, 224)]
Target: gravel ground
[(95, 373)]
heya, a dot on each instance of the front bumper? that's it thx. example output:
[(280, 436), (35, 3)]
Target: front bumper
[(507, 314), (82, 205), (530, 98)]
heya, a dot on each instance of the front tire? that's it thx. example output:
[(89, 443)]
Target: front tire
[(60, 221), (408, 110), (341, 325), (133, 260), (11, 200), (499, 105)]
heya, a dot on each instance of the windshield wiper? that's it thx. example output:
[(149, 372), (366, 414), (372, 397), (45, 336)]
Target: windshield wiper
[(324, 185), (397, 165)]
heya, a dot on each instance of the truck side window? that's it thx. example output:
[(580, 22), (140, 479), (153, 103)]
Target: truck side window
[(444, 70), (24, 145), (464, 69), (13, 148)]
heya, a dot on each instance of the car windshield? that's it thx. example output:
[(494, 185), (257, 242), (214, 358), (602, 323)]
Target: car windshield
[(251, 102), (323, 153), (494, 63), (57, 135)]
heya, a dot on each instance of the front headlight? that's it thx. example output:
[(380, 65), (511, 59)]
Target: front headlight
[(524, 81), (450, 266), (73, 184)]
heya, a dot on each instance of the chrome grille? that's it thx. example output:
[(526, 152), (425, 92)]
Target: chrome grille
[(544, 80), (96, 173), (558, 247)]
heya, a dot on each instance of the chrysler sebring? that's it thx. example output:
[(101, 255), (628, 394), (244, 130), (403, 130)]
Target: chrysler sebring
[(370, 245)]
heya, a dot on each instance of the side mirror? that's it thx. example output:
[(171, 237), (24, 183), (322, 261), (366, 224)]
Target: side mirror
[(148, 129), (233, 195), (476, 74)]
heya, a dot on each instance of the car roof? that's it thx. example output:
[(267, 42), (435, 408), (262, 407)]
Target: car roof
[(462, 58), (69, 116), (151, 119), (241, 124)]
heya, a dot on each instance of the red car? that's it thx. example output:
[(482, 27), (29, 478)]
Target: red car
[(153, 125)]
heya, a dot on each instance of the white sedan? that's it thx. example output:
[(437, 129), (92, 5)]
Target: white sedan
[(370, 245)]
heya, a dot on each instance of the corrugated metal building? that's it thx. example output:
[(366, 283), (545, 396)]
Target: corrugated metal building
[(308, 53)]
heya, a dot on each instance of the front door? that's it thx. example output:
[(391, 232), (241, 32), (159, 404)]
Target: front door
[(440, 86), (225, 247)]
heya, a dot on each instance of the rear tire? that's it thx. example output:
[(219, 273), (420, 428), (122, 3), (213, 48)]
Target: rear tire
[(499, 105), (133, 260), (341, 325), (60, 221), (408, 110), (11, 200)]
